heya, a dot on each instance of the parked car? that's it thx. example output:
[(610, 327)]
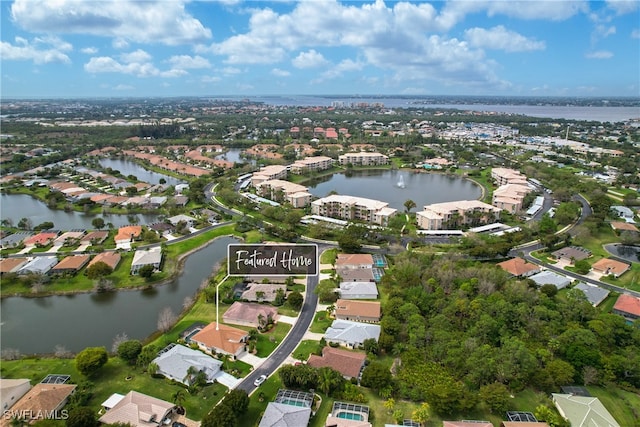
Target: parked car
[(260, 380)]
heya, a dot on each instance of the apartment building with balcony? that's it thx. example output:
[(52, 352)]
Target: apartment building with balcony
[(452, 215), (311, 164), (363, 159), (353, 208)]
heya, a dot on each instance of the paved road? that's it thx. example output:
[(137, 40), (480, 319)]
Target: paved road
[(291, 341), (526, 250)]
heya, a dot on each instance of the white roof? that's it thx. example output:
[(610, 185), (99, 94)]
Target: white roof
[(112, 400), (551, 278), (351, 332), (175, 362)]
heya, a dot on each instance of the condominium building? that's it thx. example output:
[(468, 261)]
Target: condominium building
[(353, 208), (363, 159), (451, 215), (269, 172), (310, 164), (509, 197), (279, 190), (504, 176)]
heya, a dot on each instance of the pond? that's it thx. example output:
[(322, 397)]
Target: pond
[(397, 186), (17, 206), (128, 167), (38, 325)]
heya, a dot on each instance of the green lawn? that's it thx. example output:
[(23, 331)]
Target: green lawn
[(321, 322), (304, 349), (267, 342), (116, 377), (623, 405), (329, 256), (259, 400)]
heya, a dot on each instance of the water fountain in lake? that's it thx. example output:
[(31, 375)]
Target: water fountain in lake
[(401, 183)]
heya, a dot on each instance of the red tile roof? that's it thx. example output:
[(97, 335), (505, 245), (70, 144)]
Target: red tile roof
[(518, 266), (112, 259), (75, 262), (227, 338), (610, 266), (628, 304), (348, 363)]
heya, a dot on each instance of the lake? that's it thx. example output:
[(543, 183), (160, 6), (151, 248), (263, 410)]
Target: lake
[(128, 167), (17, 206), (423, 188), (37, 325)]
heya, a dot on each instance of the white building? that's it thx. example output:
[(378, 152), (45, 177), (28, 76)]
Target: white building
[(451, 215), (353, 208), (363, 159)]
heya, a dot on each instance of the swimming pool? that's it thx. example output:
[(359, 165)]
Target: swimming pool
[(350, 416), (192, 333), (293, 402)]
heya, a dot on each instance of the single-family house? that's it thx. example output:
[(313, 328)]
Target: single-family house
[(39, 265), (523, 424), (15, 239), (551, 278), (347, 274), (595, 294), (571, 254), (351, 334), (111, 258), (289, 409), (175, 362), (162, 228), (468, 423), (348, 363), (628, 306), (358, 290), (40, 400), (152, 256), (11, 265), (358, 311), (220, 338), (43, 238), (354, 261), (180, 200), (619, 227), (12, 390), (607, 266), (285, 415), (69, 237), (519, 267), (188, 220), (249, 314), (623, 212), (71, 264), (138, 410), (346, 414), (583, 411), (127, 234), (94, 237), (263, 292)]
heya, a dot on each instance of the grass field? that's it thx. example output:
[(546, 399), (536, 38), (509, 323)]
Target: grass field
[(116, 377), (321, 322)]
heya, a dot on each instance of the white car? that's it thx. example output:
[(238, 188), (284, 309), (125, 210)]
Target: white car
[(260, 380)]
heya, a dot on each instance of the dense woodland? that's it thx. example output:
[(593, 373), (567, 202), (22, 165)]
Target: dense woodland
[(459, 327)]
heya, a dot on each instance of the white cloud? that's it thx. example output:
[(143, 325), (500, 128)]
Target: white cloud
[(164, 22), (123, 87), (309, 59), (280, 73), (135, 56), (338, 70), (635, 34), (622, 7), (135, 63), (599, 54), (40, 51), (185, 62), (501, 39), (120, 43), (407, 39), (89, 50), (231, 70)]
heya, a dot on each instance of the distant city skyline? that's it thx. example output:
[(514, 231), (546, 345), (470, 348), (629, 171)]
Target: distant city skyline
[(167, 48)]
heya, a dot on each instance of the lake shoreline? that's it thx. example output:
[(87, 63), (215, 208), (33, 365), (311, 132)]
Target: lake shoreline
[(180, 261)]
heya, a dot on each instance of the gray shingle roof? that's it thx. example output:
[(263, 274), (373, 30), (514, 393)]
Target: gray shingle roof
[(595, 294), (351, 332), (283, 415), (175, 362)]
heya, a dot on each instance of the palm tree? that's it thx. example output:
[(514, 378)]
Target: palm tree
[(179, 399), (408, 205)]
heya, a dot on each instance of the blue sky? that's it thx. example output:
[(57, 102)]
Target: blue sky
[(126, 48)]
